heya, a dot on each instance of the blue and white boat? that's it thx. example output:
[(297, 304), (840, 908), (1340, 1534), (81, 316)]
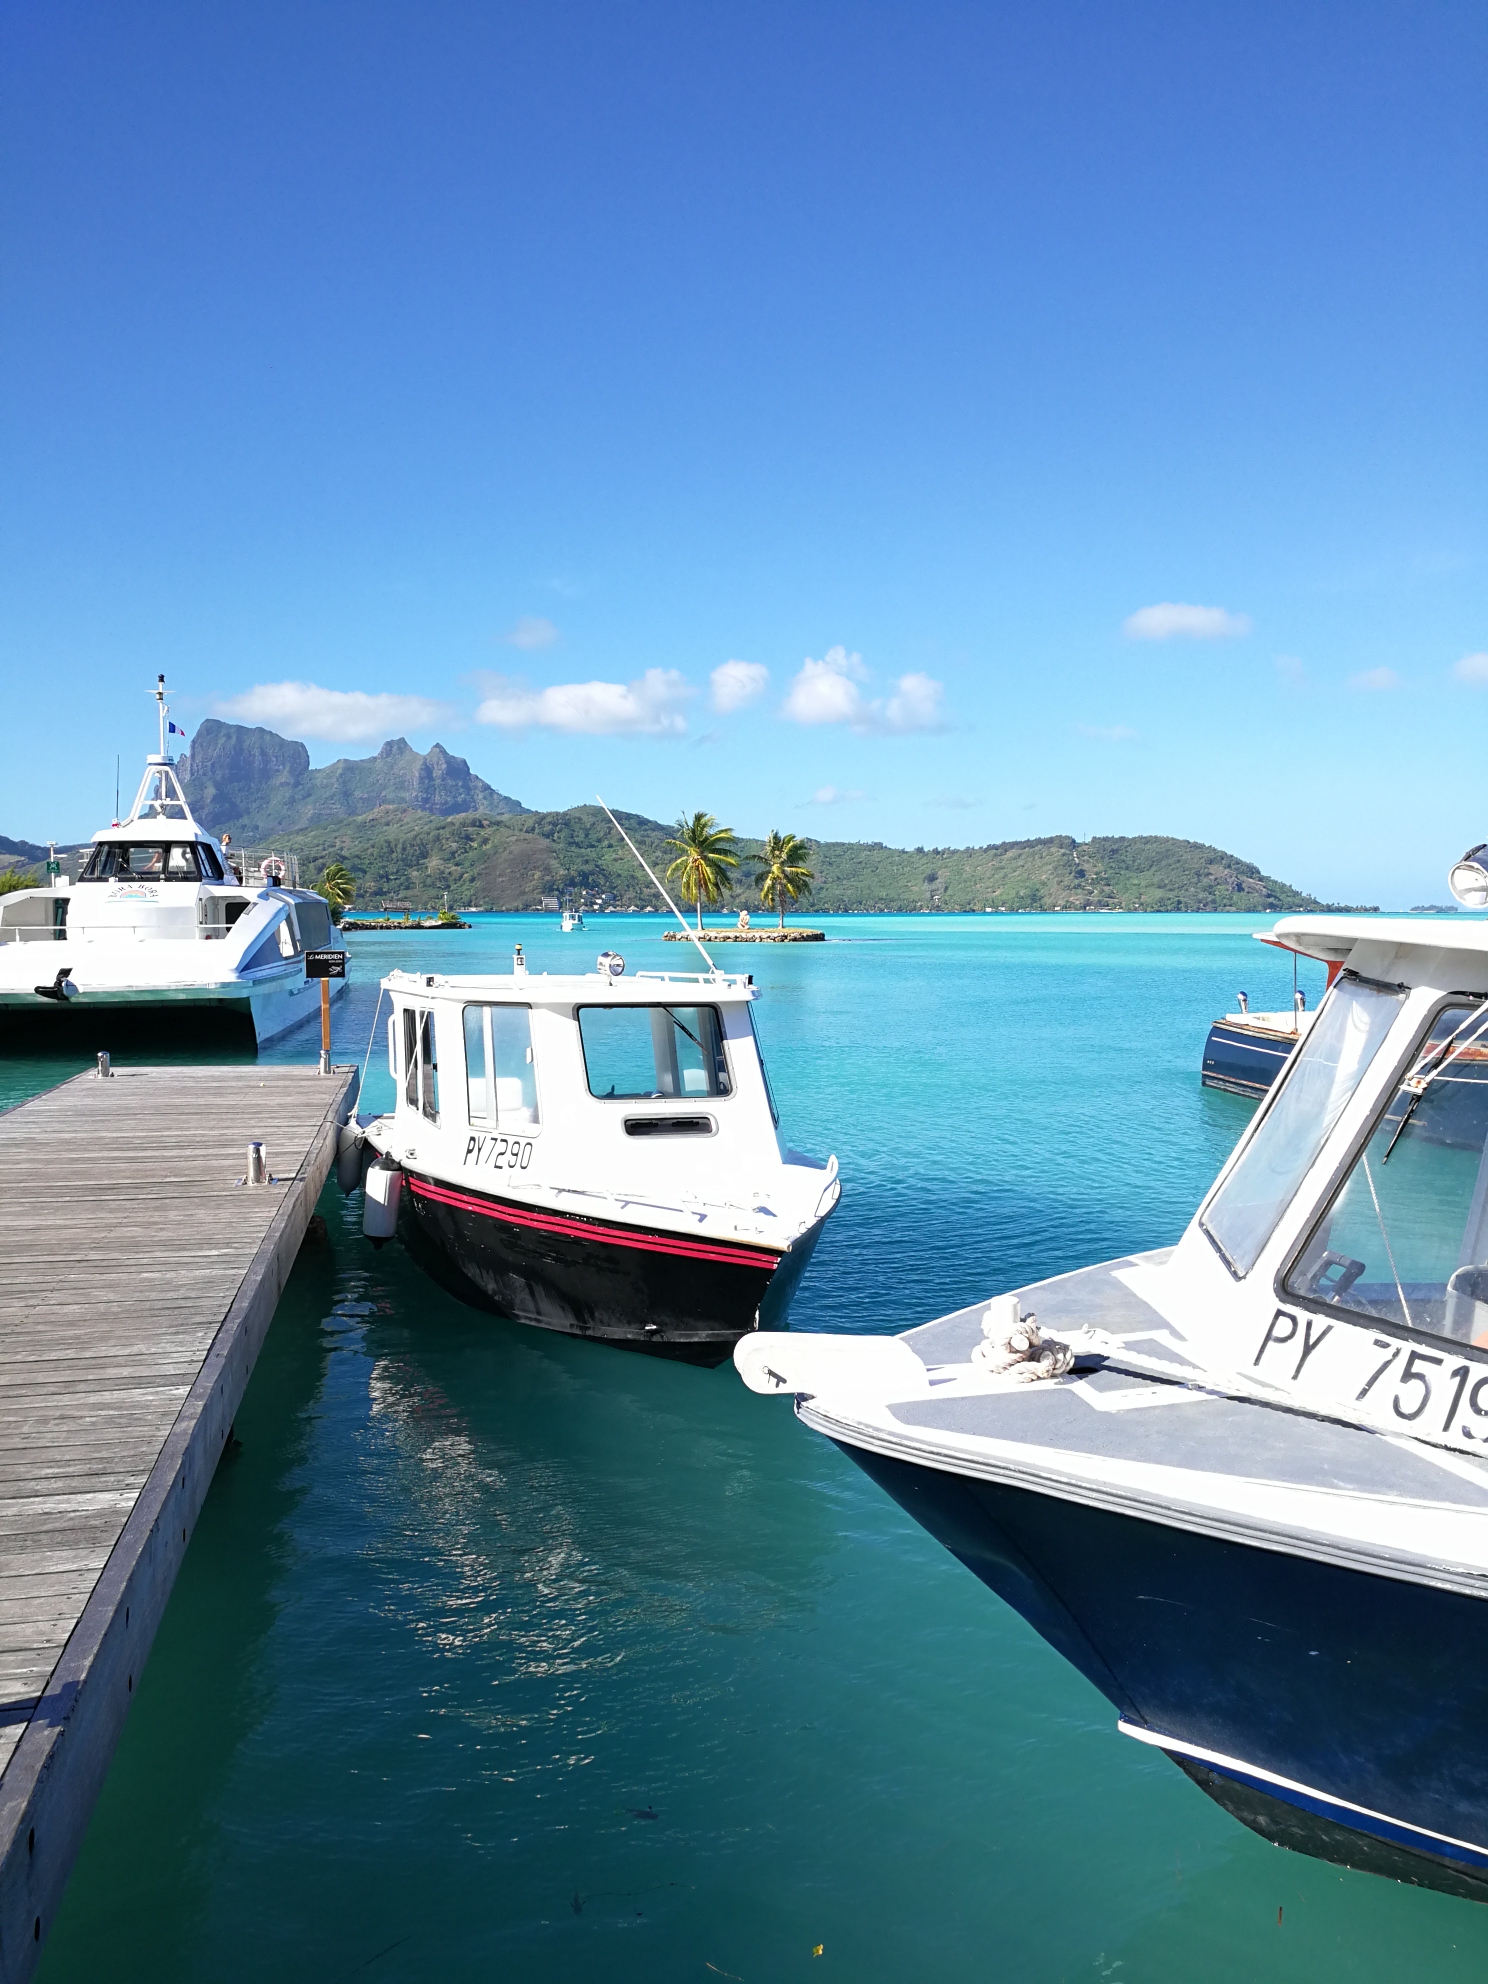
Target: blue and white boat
[(1242, 1483), (1246, 1051), (164, 924)]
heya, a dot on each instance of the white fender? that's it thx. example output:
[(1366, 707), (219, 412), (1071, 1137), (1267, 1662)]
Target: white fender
[(384, 1188), (351, 1156), (793, 1361)]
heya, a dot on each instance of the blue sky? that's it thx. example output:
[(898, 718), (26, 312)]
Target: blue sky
[(527, 365)]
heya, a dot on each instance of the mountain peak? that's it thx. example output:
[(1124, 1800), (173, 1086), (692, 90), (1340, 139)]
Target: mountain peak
[(255, 784)]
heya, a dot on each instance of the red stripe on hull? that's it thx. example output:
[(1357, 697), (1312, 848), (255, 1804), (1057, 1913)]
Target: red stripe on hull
[(585, 1229)]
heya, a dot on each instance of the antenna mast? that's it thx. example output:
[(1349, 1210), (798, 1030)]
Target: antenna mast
[(687, 928), (160, 701)]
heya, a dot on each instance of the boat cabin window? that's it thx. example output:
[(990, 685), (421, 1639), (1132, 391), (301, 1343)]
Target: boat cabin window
[(1305, 1105), (116, 861), (211, 867), (635, 1051), (420, 1062), (1406, 1237), (500, 1078), (314, 920)]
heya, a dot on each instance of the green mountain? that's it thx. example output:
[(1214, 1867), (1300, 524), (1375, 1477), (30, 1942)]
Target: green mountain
[(254, 784), (512, 862)]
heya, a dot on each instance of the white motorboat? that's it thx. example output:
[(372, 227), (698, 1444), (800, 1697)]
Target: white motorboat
[(1242, 1483), (573, 919), (165, 922), (596, 1154)]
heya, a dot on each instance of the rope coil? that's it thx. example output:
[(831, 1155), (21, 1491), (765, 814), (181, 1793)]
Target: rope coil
[(1013, 1343)]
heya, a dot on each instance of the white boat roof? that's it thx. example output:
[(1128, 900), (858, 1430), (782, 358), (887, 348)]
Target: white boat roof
[(1333, 939), (640, 988)]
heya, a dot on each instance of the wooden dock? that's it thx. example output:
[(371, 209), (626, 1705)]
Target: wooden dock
[(138, 1278)]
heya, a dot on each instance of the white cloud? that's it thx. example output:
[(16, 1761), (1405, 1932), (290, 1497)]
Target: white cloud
[(531, 632), (831, 795), (828, 691), (914, 705), (649, 707), (1472, 668), (1170, 621), (1111, 733), (340, 716), (1373, 680), (736, 683)]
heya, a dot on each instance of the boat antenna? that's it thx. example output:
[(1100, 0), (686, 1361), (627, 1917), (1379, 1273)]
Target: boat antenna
[(160, 702), (687, 929)]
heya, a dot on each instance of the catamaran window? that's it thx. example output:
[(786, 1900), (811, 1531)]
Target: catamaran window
[(211, 867), (420, 1062), (116, 861), (1324, 1072), (632, 1051), (314, 919), (1406, 1237), (500, 1078)]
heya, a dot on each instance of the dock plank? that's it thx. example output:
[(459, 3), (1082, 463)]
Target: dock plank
[(137, 1280)]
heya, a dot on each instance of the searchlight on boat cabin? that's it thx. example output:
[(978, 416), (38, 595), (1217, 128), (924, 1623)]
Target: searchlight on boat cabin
[(1468, 878)]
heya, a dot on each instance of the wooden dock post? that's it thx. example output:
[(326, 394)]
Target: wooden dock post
[(138, 1277)]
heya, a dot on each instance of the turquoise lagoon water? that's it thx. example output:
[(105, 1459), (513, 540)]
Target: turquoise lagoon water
[(497, 1656)]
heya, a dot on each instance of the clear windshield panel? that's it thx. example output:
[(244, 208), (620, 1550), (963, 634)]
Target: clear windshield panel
[(631, 1052), (1314, 1091), (1406, 1237), (114, 861), (499, 1071)]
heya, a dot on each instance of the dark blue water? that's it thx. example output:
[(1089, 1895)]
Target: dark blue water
[(498, 1656)]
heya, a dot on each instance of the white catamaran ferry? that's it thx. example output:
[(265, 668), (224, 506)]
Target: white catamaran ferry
[(1242, 1483), (163, 921)]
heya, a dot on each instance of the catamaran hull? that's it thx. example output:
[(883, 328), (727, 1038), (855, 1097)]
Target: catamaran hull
[(641, 1288), (1339, 1713), (256, 1012)]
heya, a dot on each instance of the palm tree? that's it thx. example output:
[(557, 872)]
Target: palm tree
[(782, 874), (701, 868), (338, 886)]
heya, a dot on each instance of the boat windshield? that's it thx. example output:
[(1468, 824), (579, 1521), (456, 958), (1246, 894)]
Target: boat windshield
[(635, 1051), (115, 861), (1406, 1236), (1311, 1096)]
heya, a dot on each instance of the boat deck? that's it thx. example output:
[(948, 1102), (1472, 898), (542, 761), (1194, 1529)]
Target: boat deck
[(138, 1276)]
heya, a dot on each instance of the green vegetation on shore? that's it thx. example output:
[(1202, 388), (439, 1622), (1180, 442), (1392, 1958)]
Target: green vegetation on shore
[(512, 862)]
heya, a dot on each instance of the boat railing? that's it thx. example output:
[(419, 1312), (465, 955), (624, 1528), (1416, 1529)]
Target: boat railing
[(261, 867)]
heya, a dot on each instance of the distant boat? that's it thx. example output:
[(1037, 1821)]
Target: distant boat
[(1246, 1051), (573, 919), (164, 919)]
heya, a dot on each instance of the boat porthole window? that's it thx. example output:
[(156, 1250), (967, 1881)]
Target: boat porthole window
[(500, 1072)]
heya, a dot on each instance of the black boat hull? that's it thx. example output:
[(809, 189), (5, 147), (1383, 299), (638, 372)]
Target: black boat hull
[(641, 1288), (1245, 1060), (1341, 1714)]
